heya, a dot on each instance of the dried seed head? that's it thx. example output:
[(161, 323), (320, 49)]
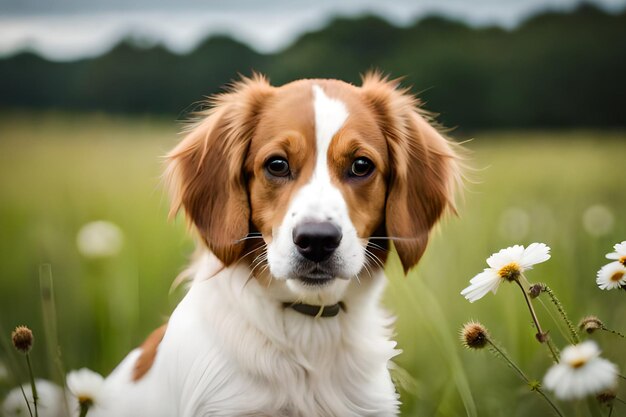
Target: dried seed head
[(606, 397), (590, 324), (542, 337), (474, 335), (535, 290), (22, 338)]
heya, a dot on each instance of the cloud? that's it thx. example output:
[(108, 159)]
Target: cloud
[(72, 29)]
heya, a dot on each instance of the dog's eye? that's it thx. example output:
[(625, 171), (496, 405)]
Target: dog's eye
[(277, 166), (361, 167)]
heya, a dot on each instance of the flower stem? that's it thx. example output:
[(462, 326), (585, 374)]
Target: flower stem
[(84, 408), (33, 387), (27, 402), (534, 386), (548, 400), (615, 332), (512, 364), (561, 310), (553, 350), (541, 336)]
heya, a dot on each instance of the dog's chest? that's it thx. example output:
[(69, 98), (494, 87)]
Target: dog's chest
[(324, 381), (322, 368), (233, 353)]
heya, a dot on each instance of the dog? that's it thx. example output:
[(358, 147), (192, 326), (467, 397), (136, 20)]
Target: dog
[(296, 193)]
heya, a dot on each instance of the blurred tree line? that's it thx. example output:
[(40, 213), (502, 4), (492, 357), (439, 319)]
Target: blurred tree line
[(554, 70)]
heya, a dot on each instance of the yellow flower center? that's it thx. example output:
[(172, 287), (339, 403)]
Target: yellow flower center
[(622, 260), (510, 272), (577, 363), (85, 400), (616, 277)]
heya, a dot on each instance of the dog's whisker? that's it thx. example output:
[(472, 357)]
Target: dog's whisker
[(250, 278), (368, 269), (265, 268), (373, 255), (377, 246), (374, 264), (262, 247), (250, 253), (256, 262), (377, 261), (259, 259), (247, 238), (409, 239)]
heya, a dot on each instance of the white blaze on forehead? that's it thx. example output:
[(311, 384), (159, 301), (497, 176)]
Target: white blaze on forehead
[(330, 115), (319, 200)]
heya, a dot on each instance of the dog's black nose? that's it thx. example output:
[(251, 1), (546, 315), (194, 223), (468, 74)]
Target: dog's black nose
[(316, 241)]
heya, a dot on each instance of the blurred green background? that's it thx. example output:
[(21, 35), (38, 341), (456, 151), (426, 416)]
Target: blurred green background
[(59, 171), (543, 110)]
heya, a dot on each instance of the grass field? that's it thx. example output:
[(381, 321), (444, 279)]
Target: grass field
[(567, 189)]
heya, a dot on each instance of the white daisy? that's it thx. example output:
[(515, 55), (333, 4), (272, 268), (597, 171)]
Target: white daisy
[(99, 239), (50, 403), (581, 372), (508, 264), (87, 387), (611, 276), (620, 253)]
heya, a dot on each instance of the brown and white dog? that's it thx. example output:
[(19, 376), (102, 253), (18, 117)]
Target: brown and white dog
[(296, 192)]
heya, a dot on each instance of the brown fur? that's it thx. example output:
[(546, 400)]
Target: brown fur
[(204, 172), (415, 165), (148, 353), (424, 167), (217, 172), (287, 131)]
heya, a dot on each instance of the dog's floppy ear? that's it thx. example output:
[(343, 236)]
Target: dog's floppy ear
[(205, 171), (424, 169)]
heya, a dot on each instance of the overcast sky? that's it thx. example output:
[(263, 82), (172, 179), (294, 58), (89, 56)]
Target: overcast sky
[(70, 29)]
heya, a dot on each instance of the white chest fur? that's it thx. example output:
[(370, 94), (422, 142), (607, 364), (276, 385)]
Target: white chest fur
[(231, 349)]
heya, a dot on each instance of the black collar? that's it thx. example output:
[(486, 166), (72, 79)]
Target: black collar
[(316, 311)]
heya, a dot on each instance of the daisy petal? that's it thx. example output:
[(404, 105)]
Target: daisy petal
[(487, 275), (87, 384), (481, 284), (505, 256), (554, 375), (620, 250), (534, 254)]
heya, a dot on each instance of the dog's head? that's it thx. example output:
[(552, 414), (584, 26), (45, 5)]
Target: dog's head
[(320, 173)]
